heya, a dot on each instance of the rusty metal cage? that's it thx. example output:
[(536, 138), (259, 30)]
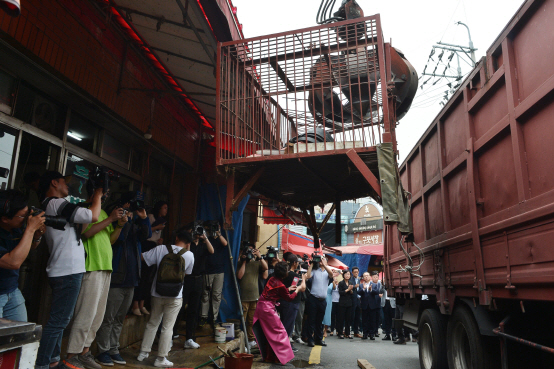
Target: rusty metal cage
[(305, 91)]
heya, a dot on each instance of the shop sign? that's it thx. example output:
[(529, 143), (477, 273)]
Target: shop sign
[(370, 225), (369, 238)]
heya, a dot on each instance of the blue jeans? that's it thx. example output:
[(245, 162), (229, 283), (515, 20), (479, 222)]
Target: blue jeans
[(65, 291), (12, 306)]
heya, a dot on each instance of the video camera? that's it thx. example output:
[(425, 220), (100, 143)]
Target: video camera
[(272, 252), (316, 257), (57, 222), (102, 177), (211, 227)]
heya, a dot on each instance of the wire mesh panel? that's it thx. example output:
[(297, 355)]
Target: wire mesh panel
[(310, 90)]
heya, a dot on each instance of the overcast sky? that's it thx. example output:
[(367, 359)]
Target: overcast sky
[(414, 26)]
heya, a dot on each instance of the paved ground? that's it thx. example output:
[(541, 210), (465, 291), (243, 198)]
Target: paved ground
[(343, 354)]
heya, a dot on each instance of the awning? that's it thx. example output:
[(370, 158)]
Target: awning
[(290, 238), (180, 39), (286, 216), (363, 249)]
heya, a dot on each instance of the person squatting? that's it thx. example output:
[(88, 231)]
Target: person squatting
[(100, 264)]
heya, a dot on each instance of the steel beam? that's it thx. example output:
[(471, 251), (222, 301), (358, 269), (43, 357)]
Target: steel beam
[(364, 170)]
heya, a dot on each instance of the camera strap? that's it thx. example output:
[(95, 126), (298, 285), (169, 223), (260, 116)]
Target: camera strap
[(68, 211)]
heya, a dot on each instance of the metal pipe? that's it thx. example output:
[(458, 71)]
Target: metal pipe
[(234, 275), (499, 331)]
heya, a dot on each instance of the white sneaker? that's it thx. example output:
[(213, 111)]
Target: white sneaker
[(191, 344), (299, 340), (143, 355), (252, 344), (164, 363), (290, 340)]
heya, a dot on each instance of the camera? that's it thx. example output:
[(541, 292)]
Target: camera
[(198, 228), (101, 178), (134, 205), (272, 252), (57, 222), (316, 257)]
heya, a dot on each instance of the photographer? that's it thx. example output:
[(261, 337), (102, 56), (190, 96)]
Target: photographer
[(157, 224), (66, 264), (126, 274), (213, 280), (317, 299), (289, 309), (201, 248), (16, 240), (250, 266), (91, 303)]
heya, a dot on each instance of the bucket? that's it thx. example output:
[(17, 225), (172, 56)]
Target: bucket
[(220, 333), (230, 327), (243, 361)]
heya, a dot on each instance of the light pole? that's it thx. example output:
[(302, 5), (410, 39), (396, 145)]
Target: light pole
[(471, 49)]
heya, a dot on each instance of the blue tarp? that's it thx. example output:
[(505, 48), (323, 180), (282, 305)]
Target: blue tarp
[(209, 209), (352, 260)]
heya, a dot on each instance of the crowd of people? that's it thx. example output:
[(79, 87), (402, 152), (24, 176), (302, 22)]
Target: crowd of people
[(285, 302), (107, 260), (104, 261)]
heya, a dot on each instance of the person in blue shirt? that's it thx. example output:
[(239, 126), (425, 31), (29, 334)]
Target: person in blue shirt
[(19, 233)]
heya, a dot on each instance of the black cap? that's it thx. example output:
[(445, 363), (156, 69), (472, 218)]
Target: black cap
[(47, 178)]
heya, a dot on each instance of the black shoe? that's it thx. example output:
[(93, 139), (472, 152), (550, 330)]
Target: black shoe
[(294, 349), (320, 343), (372, 337), (311, 344), (386, 338), (341, 337), (400, 341), (364, 337), (394, 338)]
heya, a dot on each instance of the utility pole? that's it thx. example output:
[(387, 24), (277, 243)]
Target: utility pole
[(472, 50)]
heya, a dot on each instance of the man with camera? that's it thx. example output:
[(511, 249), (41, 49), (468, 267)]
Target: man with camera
[(251, 265), (126, 274), (66, 264), (319, 273), (215, 267), (201, 248), (91, 303), (16, 240)]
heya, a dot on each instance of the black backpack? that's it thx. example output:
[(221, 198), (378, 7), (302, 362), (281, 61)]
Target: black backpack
[(171, 273)]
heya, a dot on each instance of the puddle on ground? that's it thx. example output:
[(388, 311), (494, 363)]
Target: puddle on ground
[(299, 363)]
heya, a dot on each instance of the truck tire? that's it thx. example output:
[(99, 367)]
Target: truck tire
[(432, 340), (466, 348)]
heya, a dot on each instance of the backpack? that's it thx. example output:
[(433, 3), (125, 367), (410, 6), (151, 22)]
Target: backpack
[(171, 273)]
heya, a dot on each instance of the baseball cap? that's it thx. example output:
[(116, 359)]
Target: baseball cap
[(47, 178)]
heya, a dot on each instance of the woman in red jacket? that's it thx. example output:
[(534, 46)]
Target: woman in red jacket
[(270, 334)]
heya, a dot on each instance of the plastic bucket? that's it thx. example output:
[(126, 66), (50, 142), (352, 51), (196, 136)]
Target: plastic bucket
[(220, 333), (230, 327), (243, 361)]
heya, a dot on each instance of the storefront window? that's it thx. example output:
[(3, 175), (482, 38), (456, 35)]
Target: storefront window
[(115, 151), (82, 132), (39, 111), (7, 88), (35, 157), (81, 170), (7, 145)]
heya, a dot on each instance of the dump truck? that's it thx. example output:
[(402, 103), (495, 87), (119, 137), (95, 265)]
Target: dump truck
[(476, 276)]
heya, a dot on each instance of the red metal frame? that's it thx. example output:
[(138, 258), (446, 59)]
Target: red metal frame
[(265, 86)]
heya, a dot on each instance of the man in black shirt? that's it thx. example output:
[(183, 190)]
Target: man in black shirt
[(289, 310), (192, 289), (213, 280)]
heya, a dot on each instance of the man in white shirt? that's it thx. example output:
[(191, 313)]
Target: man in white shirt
[(66, 264), (165, 308)]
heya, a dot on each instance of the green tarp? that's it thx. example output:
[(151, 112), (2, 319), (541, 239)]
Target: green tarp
[(396, 201)]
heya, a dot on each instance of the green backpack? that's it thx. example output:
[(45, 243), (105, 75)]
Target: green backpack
[(171, 273)]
